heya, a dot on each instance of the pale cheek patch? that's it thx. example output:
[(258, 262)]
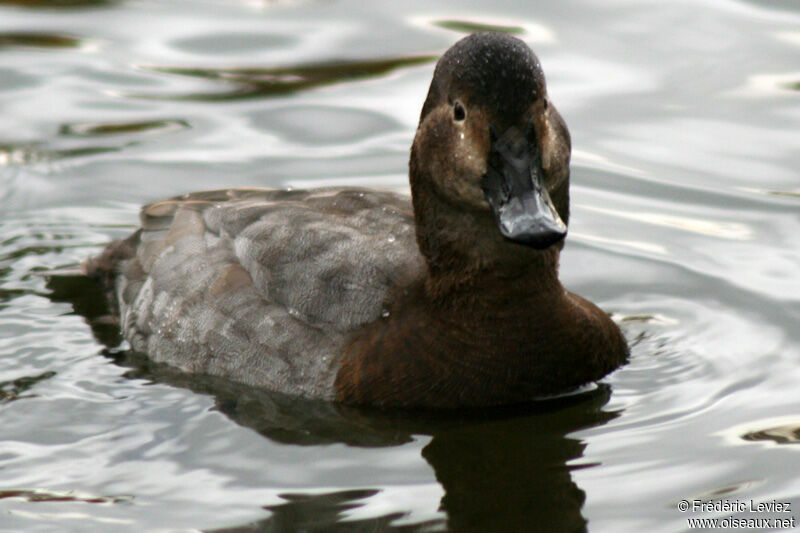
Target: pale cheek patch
[(469, 162), (553, 152), (456, 156)]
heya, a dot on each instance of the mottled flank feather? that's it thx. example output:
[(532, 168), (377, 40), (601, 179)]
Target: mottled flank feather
[(259, 285)]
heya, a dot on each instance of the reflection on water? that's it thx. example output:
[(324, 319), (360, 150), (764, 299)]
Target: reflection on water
[(36, 153), (90, 129), (37, 40), (498, 467), (14, 389), (469, 26), (727, 491), (791, 194), (55, 150), (35, 496), (530, 31), (56, 4), (786, 434), (266, 82), (684, 227), (321, 512), (794, 86)]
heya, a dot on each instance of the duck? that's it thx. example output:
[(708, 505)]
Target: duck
[(447, 299)]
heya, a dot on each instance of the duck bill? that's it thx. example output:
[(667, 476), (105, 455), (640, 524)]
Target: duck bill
[(514, 188)]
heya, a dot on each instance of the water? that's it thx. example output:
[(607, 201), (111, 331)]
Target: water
[(686, 216)]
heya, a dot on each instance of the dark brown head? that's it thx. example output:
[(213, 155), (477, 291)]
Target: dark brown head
[(490, 160)]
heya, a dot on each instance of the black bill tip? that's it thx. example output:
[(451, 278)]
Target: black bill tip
[(539, 227), (514, 188)]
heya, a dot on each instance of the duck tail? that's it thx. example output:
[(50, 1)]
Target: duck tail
[(103, 267)]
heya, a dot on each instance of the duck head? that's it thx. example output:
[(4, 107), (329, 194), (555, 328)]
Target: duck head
[(491, 154)]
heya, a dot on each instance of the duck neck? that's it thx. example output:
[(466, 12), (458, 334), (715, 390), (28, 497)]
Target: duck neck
[(478, 264), (484, 297), (461, 339)]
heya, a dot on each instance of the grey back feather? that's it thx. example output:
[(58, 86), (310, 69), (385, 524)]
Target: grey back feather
[(264, 286)]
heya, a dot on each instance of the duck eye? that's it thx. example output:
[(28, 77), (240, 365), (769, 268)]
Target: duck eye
[(459, 113)]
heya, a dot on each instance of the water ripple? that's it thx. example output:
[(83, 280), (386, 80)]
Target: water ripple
[(14, 389), (38, 40), (58, 4), (785, 433), (250, 82), (93, 129), (36, 495)]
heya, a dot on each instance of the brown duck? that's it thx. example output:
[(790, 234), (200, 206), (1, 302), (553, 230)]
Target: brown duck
[(448, 299)]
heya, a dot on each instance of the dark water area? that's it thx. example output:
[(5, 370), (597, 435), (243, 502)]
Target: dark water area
[(685, 225)]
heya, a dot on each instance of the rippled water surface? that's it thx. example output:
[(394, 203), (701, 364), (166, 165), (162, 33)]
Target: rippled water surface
[(686, 225)]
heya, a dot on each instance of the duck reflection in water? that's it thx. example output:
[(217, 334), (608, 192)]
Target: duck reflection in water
[(501, 469)]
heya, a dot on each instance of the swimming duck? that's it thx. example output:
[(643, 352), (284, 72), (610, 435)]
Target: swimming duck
[(448, 299)]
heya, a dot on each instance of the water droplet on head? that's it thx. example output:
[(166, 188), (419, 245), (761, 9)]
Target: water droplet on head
[(385, 313)]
